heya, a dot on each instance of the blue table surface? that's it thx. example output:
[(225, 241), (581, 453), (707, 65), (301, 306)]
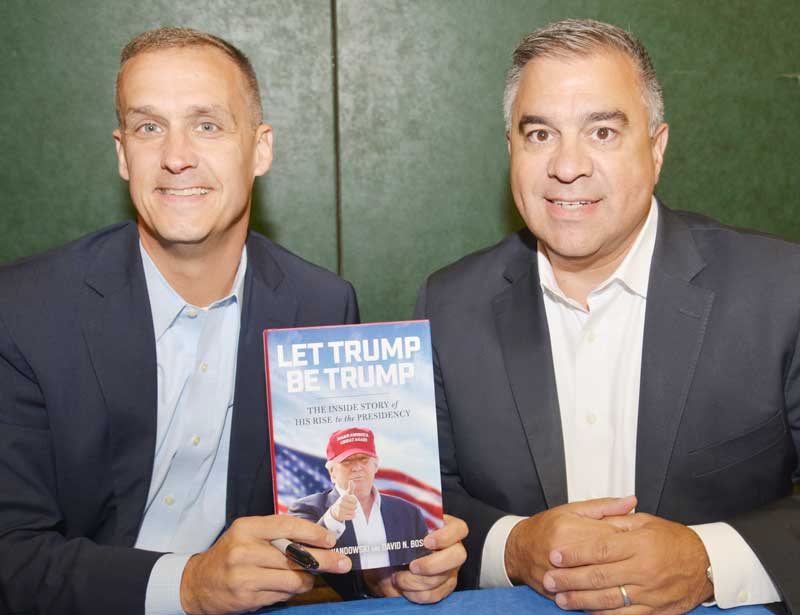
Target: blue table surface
[(475, 602)]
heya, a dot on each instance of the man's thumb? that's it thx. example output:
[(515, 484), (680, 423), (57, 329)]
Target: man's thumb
[(606, 507)]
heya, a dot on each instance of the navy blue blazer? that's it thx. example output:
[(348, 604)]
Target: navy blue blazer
[(402, 521), (78, 413)]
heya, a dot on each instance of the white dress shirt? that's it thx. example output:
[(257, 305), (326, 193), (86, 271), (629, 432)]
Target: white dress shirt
[(370, 532), (597, 357), (196, 367)]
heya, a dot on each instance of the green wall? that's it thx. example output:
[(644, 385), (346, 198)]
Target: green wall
[(403, 99)]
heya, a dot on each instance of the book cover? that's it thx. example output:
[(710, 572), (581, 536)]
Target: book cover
[(353, 437)]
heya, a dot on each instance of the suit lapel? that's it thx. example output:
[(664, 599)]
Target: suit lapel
[(525, 342), (675, 323), (118, 329), (268, 303)]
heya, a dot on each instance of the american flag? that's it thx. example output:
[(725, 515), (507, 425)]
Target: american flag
[(300, 474)]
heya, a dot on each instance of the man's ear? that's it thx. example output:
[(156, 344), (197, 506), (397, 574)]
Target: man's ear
[(263, 150), (122, 160), (658, 143)]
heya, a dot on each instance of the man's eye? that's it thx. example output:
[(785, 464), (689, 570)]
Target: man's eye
[(539, 136), (207, 127), (148, 128), (604, 134)]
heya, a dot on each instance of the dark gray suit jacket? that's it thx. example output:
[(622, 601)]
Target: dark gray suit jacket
[(402, 521), (78, 413), (719, 405)]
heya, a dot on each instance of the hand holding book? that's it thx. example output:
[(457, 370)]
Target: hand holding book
[(243, 571), (430, 578)]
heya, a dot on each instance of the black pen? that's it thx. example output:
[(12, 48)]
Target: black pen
[(296, 553)]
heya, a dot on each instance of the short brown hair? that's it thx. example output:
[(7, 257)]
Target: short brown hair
[(581, 37), (172, 38)]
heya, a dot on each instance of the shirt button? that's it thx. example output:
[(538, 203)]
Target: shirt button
[(204, 367), (195, 440), (591, 419), (742, 596), (169, 500), (590, 337), (191, 312)]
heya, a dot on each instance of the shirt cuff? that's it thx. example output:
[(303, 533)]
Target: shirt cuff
[(163, 596), (493, 557), (739, 577), (337, 527)]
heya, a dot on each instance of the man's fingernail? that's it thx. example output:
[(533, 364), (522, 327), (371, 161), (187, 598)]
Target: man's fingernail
[(414, 567), (343, 565), (561, 600), (330, 540), (555, 557), (549, 583)]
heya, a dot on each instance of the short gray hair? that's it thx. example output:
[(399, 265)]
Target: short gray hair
[(582, 37)]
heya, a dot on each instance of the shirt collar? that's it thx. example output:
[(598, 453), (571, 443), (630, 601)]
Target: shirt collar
[(166, 304), (633, 272)]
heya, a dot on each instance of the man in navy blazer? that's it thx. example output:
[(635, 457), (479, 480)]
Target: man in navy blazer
[(356, 512), (102, 379), (615, 348)]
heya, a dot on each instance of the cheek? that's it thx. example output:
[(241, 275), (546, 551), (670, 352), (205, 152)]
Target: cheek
[(527, 173), (140, 166)]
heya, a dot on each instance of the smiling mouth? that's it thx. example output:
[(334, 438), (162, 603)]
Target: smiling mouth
[(571, 205), (183, 191)]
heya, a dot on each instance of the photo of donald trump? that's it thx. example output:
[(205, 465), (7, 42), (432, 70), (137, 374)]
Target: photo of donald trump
[(376, 530)]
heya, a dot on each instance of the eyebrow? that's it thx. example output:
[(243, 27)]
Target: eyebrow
[(533, 119), (615, 115), (193, 111), (146, 110), (608, 116)]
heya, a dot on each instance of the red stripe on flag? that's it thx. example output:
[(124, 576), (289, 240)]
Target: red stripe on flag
[(401, 477), (436, 511)]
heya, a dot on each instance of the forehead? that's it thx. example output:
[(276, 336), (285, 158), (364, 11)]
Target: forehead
[(358, 457), (576, 85), (181, 77)]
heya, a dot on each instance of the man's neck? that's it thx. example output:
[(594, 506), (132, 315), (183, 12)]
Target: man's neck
[(577, 279), (367, 502), (200, 274)]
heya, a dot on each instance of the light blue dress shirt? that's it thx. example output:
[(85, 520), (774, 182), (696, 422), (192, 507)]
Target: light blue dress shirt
[(196, 365)]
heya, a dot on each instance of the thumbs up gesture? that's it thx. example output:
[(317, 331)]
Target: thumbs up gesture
[(344, 509)]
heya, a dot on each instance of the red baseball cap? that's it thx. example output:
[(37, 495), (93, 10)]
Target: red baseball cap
[(351, 441)]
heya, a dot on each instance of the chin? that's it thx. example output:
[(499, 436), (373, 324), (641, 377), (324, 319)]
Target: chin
[(184, 236)]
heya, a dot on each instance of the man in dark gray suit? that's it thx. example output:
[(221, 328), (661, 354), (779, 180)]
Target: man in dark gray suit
[(616, 348)]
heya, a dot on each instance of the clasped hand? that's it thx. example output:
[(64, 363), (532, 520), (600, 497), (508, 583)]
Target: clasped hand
[(429, 578), (580, 554)]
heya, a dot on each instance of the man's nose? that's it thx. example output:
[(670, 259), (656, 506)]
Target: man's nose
[(178, 153), (569, 161)]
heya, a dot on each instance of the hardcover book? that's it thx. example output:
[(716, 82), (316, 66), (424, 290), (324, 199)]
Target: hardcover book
[(352, 419)]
